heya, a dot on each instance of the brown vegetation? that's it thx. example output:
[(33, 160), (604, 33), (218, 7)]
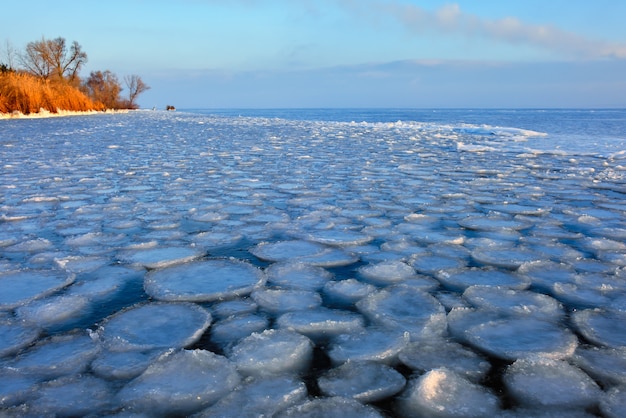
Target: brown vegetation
[(49, 80), (25, 93)]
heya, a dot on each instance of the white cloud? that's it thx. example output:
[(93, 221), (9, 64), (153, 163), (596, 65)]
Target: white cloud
[(450, 19)]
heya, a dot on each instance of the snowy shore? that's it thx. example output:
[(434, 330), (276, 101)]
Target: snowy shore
[(43, 113)]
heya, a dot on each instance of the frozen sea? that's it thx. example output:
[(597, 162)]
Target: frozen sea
[(314, 262)]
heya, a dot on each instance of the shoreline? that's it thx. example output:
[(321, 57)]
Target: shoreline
[(59, 113)]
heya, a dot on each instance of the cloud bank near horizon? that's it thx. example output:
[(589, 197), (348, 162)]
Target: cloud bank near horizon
[(451, 20)]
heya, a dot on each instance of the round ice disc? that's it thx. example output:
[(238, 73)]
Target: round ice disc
[(296, 275), (335, 406), (202, 281), (371, 344), (287, 250), (364, 381), (387, 272), (346, 292), (230, 330), (339, 238), (606, 365), (124, 365), (510, 258), (180, 384), (512, 302), (602, 327), (161, 257), (444, 393), (54, 311), (21, 287), (57, 356), (277, 301), (78, 395), (321, 323), (155, 325), (272, 352), (511, 339), (433, 263), (15, 335), (428, 354), (406, 309), (541, 382), (259, 397), (461, 279), (492, 223)]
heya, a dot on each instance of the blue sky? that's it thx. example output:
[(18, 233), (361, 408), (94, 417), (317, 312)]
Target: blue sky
[(344, 53)]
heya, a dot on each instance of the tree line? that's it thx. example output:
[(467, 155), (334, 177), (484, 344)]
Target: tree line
[(47, 71)]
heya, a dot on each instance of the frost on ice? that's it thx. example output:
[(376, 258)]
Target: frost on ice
[(272, 352), (444, 393)]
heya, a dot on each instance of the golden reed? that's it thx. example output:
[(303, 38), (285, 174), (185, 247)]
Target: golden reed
[(27, 94)]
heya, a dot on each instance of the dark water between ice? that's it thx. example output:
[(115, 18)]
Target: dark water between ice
[(439, 261)]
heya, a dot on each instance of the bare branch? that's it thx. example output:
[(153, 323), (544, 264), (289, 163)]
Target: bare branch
[(9, 55), (50, 58), (136, 86)]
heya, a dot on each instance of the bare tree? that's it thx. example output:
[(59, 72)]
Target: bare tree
[(51, 58), (35, 60), (136, 86), (8, 55), (105, 88)]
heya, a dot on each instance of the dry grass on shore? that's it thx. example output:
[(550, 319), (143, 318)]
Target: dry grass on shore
[(26, 94)]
